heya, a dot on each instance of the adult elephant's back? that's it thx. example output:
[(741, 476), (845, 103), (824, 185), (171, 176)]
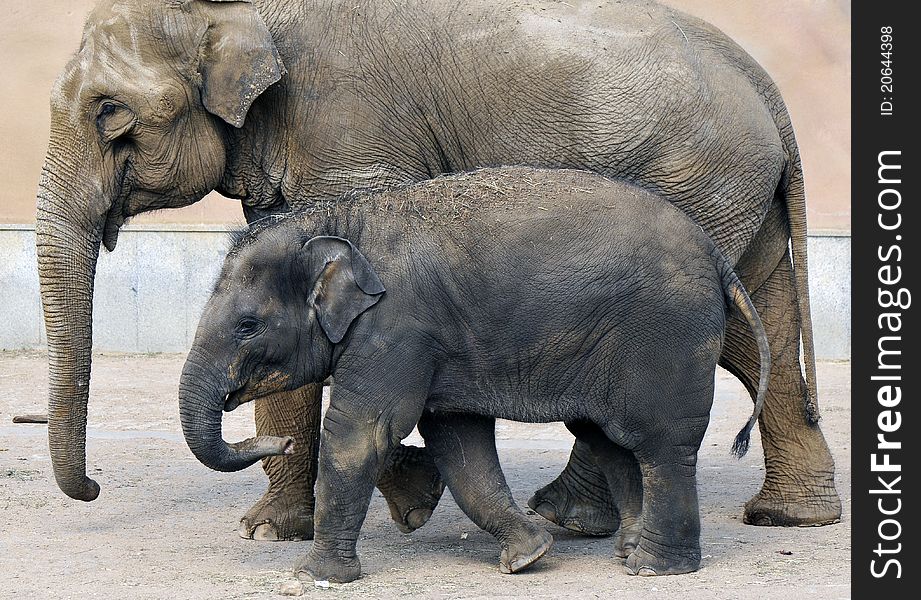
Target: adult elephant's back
[(631, 90)]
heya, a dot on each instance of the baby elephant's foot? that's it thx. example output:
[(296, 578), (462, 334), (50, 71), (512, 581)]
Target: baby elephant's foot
[(627, 538), (575, 511), (524, 552), (412, 486), (318, 566), (279, 515), (650, 559)]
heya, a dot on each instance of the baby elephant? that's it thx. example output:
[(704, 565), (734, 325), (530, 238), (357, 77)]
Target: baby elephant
[(511, 293)]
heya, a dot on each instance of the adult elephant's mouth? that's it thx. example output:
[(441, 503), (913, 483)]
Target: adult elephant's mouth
[(117, 213), (113, 223)]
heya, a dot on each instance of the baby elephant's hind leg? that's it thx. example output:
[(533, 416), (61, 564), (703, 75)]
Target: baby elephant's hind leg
[(669, 541), (464, 448), (625, 483)]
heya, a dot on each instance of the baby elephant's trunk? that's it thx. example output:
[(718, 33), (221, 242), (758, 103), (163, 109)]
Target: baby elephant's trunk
[(737, 296), (202, 394)]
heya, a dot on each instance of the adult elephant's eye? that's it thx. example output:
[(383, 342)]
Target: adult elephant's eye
[(105, 109), (113, 120), (249, 327)]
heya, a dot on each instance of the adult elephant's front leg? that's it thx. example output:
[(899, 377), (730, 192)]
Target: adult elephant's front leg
[(285, 512), (799, 482)]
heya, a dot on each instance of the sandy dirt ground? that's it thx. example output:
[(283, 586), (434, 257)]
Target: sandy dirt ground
[(164, 526)]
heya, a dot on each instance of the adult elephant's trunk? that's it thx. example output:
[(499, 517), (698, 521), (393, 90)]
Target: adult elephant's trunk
[(202, 396), (68, 237)]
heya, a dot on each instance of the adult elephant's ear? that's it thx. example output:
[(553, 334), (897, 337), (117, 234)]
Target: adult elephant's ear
[(344, 284), (238, 60)]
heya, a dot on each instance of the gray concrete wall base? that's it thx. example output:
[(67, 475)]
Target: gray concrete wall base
[(830, 295), (151, 290)]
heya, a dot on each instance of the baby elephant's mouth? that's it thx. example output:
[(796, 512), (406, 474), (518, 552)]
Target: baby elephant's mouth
[(233, 400), (241, 396), (269, 384)]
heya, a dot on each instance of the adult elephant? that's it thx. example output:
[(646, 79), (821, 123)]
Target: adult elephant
[(279, 103)]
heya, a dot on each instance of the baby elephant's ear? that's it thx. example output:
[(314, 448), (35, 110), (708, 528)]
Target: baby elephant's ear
[(344, 286)]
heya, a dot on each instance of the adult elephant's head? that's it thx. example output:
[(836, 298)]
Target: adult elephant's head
[(139, 121)]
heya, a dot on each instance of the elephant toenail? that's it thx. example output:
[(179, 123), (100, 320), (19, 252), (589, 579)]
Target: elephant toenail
[(265, 532), (418, 517)]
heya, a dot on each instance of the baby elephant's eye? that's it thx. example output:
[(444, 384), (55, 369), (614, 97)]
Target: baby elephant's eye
[(249, 327)]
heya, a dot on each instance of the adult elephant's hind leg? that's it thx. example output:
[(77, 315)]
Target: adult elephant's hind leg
[(579, 498), (285, 512), (799, 483)]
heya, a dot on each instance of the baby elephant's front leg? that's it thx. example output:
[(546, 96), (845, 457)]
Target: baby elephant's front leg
[(464, 448), (349, 462)]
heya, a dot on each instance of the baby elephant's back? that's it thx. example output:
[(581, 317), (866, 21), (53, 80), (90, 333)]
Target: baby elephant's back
[(615, 232), (573, 223), (588, 262)]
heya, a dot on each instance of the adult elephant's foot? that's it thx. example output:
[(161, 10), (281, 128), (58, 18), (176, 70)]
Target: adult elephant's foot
[(523, 552), (799, 484), (280, 515), (779, 505), (559, 504), (768, 511), (650, 559), (412, 486), (579, 499), (328, 566), (285, 512)]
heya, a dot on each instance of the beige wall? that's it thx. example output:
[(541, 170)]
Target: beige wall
[(804, 44)]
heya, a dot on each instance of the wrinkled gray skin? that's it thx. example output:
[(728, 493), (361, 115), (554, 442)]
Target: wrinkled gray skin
[(533, 295), (280, 104)]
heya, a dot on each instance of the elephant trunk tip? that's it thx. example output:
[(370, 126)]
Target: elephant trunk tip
[(85, 489), (285, 446), (265, 445), (240, 455)]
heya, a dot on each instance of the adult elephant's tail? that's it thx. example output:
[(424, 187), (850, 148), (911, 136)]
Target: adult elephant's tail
[(794, 193)]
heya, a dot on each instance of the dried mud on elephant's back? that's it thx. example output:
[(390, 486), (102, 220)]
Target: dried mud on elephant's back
[(456, 199)]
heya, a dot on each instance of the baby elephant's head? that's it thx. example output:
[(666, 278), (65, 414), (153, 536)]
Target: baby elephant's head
[(281, 304)]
